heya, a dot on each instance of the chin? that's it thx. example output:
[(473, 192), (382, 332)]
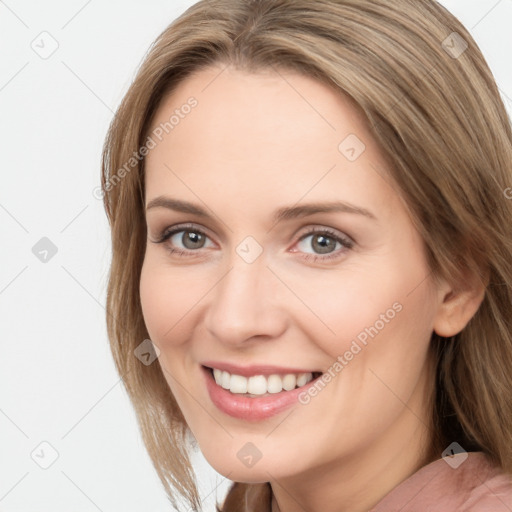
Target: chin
[(241, 462)]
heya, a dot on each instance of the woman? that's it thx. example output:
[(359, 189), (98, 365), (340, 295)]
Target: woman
[(310, 223)]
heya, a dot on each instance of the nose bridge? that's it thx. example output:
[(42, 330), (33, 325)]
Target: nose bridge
[(242, 304)]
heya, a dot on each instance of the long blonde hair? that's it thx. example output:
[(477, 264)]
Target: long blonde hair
[(433, 106)]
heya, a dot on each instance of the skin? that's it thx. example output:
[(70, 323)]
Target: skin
[(256, 143)]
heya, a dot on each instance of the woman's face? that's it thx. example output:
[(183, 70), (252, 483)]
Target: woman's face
[(290, 253)]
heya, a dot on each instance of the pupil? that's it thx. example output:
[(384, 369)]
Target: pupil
[(192, 240), (323, 244)]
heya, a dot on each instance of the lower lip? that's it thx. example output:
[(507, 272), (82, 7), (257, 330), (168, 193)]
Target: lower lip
[(251, 409)]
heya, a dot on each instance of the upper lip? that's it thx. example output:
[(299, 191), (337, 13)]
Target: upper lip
[(255, 369)]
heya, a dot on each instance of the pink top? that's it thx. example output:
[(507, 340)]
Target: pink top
[(466, 482)]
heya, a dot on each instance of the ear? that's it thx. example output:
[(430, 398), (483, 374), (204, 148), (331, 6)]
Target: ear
[(458, 304)]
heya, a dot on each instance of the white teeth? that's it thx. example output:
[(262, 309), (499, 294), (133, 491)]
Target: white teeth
[(238, 384), (302, 379), (259, 384), (274, 384), (225, 381), (289, 382)]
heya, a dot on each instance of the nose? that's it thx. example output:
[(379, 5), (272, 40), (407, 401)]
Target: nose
[(245, 305)]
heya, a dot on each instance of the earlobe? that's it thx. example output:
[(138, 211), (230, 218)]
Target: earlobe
[(457, 307)]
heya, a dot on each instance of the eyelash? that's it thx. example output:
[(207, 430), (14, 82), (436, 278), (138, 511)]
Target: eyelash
[(345, 242)]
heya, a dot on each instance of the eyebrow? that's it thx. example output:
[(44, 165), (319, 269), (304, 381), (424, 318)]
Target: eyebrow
[(285, 213)]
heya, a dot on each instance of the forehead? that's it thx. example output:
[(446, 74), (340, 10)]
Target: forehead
[(269, 105), (271, 133)]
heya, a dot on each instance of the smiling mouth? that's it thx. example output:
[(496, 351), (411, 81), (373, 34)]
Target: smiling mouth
[(260, 385)]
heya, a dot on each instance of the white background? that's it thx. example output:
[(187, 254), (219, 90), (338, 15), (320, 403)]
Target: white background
[(57, 380)]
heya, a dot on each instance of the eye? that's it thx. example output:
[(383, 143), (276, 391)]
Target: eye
[(317, 244), (184, 239), (323, 243)]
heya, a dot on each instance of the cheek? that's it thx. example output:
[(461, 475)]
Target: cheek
[(167, 298), (375, 304)]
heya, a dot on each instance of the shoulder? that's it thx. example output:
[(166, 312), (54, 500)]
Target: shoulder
[(489, 489), (466, 482)]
